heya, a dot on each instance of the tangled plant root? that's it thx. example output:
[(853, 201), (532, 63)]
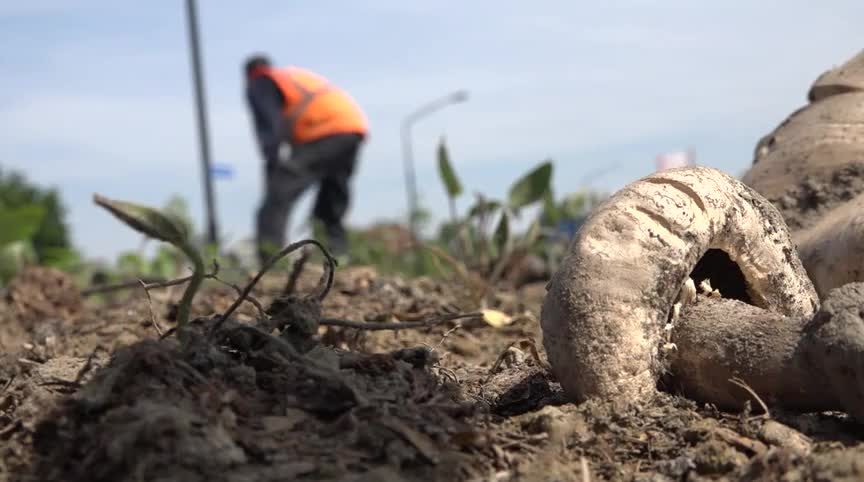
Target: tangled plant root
[(606, 309), (306, 308)]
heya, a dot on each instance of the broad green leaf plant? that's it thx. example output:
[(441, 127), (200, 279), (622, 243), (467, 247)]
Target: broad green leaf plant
[(451, 182), (491, 253), (165, 228)]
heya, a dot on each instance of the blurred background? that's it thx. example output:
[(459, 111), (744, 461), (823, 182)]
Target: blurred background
[(97, 96)]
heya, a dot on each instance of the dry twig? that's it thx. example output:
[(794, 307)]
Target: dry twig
[(251, 299), (8, 384), (328, 282), (447, 335), (376, 326), (150, 305), (499, 361), (296, 271), (535, 354), (525, 342), (737, 381), (88, 365), (126, 285), (148, 285)]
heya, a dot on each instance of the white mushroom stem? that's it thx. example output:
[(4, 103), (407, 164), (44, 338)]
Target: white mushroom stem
[(606, 308), (721, 339), (799, 363)]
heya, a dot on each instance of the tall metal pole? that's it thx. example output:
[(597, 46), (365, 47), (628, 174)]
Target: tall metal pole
[(203, 137), (408, 150)]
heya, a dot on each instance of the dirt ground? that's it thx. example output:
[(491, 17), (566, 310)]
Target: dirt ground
[(88, 392)]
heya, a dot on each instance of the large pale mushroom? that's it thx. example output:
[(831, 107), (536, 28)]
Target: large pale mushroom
[(622, 314), (842, 79), (812, 168), (605, 314)]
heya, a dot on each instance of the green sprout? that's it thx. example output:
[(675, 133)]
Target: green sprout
[(165, 228), (493, 252)]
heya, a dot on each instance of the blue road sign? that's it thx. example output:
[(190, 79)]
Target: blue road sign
[(222, 171)]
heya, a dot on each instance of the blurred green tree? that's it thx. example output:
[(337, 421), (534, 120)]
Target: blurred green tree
[(51, 238)]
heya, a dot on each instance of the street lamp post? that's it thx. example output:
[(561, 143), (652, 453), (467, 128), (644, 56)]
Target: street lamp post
[(408, 150), (201, 111)]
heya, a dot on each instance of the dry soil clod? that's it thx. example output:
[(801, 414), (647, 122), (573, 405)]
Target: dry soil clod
[(605, 311)]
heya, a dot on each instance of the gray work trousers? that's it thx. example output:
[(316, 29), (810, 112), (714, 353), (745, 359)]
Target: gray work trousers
[(329, 163)]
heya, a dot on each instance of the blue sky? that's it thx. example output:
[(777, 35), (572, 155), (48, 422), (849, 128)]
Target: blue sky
[(96, 96)]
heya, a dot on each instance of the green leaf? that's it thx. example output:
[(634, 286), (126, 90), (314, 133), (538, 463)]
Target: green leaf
[(66, 259), (421, 217), (448, 175), (575, 205), (15, 256), (483, 208), (163, 267), (16, 191), (177, 209), (551, 213), (132, 264), (501, 238), (531, 187), (532, 235), (20, 224), (145, 220)]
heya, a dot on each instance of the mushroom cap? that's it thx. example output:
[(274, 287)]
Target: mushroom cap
[(605, 310), (811, 165), (813, 141), (848, 77)]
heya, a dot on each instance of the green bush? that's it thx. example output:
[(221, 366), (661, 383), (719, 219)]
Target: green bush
[(472, 237), (32, 227), (50, 240), (387, 247)]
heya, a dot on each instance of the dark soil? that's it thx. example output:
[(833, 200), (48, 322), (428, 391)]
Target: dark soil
[(89, 392)]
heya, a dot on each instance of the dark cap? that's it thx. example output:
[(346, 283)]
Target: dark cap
[(255, 61)]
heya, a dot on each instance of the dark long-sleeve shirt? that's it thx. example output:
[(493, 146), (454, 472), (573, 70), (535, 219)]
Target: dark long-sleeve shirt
[(267, 103)]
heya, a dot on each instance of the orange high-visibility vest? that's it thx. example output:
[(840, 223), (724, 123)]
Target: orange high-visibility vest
[(314, 108)]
